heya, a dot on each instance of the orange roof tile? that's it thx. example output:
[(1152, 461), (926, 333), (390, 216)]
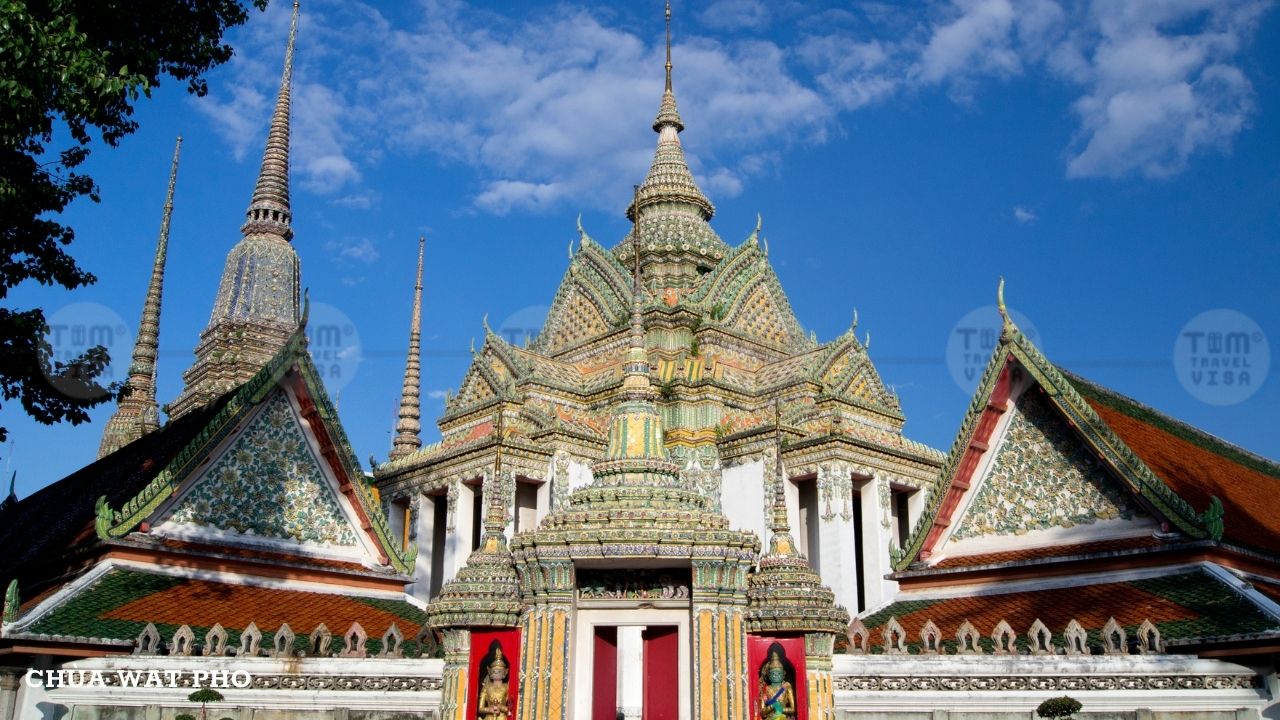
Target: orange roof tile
[(1197, 473), (201, 603)]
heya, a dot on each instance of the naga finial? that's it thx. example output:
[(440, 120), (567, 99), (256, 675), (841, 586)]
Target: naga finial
[(867, 345), (484, 321), (1004, 311), (473, 345), (766, 245), (854, 326), (306, 308)]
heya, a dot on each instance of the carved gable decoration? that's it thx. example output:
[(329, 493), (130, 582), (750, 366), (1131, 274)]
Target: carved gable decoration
[(573, 319), (477, 388), (1043, 476), (850, 373), (269, 483)]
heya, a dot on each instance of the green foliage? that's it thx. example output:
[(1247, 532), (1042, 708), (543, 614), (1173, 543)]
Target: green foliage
[(717, 312), (695, 349), (667, 390), (184, 716), (205, 695), (1059, 707), (77, 66)]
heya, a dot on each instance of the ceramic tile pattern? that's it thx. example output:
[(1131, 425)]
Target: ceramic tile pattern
[(1043, 477), (269, 483)]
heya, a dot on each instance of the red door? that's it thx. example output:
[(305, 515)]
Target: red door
[(604, 674), (661, 673)]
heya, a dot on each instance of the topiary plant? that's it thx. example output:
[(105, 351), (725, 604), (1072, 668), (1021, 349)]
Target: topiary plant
[(204, 696), (1059, 707)]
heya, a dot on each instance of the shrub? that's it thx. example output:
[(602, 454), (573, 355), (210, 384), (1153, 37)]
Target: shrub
[(1059, 707)]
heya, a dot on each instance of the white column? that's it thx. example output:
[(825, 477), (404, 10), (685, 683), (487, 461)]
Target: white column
[(426, 526), (876, 533), (631, 671), (838, 564), (458, 545)]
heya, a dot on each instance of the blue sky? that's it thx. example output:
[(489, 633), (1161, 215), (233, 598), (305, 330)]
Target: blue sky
[(1116, 162)]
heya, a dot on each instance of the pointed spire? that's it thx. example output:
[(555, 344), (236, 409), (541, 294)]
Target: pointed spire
[(409, 425), (672, 198), (494, 540), (269, 210), (781, 542), (668, 15), (138, 413), (256, 309)]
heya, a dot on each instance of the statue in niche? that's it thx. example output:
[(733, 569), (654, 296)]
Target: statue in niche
[(777, 697), (493, 701)]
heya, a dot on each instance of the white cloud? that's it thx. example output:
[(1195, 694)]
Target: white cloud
[(735, 15), (437, 394), (554, 107), (1024, 215), (361, 250)]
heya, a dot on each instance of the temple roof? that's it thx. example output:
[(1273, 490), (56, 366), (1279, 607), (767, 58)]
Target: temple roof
[(1184, 606), (104, 503), (119, 605), (1196, 465), (42, 530)]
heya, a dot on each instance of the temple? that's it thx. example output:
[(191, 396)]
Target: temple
[(673, 503)]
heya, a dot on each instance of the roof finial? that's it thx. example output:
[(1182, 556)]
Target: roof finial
[(138, 413), (13, 495), (269, 211), (1004, 311), (668, 87), (409, 425)]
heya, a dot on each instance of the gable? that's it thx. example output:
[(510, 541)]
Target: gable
[(476, 389), (573, 319), (850, 373), (593, 299), (759, 317), (267, 482), (1042, 477)]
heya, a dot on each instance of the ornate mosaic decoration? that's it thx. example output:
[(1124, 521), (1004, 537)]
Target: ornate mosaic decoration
[(1043, 477), (268, 483)]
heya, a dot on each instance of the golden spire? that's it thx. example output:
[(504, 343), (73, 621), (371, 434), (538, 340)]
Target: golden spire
[(409, 424), (137, 413)]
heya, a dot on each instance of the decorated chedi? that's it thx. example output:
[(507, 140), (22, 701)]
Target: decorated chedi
[(485, 595), (138, 414), (787, 599), (256, 309)]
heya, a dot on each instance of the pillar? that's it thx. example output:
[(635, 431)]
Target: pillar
[(546, 637), (457, 659), (876, 535), (546, 632), (720, 687), (838, 563), (817, 661), (631, 670)]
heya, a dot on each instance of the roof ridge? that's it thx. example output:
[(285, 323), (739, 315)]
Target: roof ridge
[(1179, 428)]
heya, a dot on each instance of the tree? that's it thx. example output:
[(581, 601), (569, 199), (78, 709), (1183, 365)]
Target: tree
[(1058, 708), (204, 696), (70, 69)]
